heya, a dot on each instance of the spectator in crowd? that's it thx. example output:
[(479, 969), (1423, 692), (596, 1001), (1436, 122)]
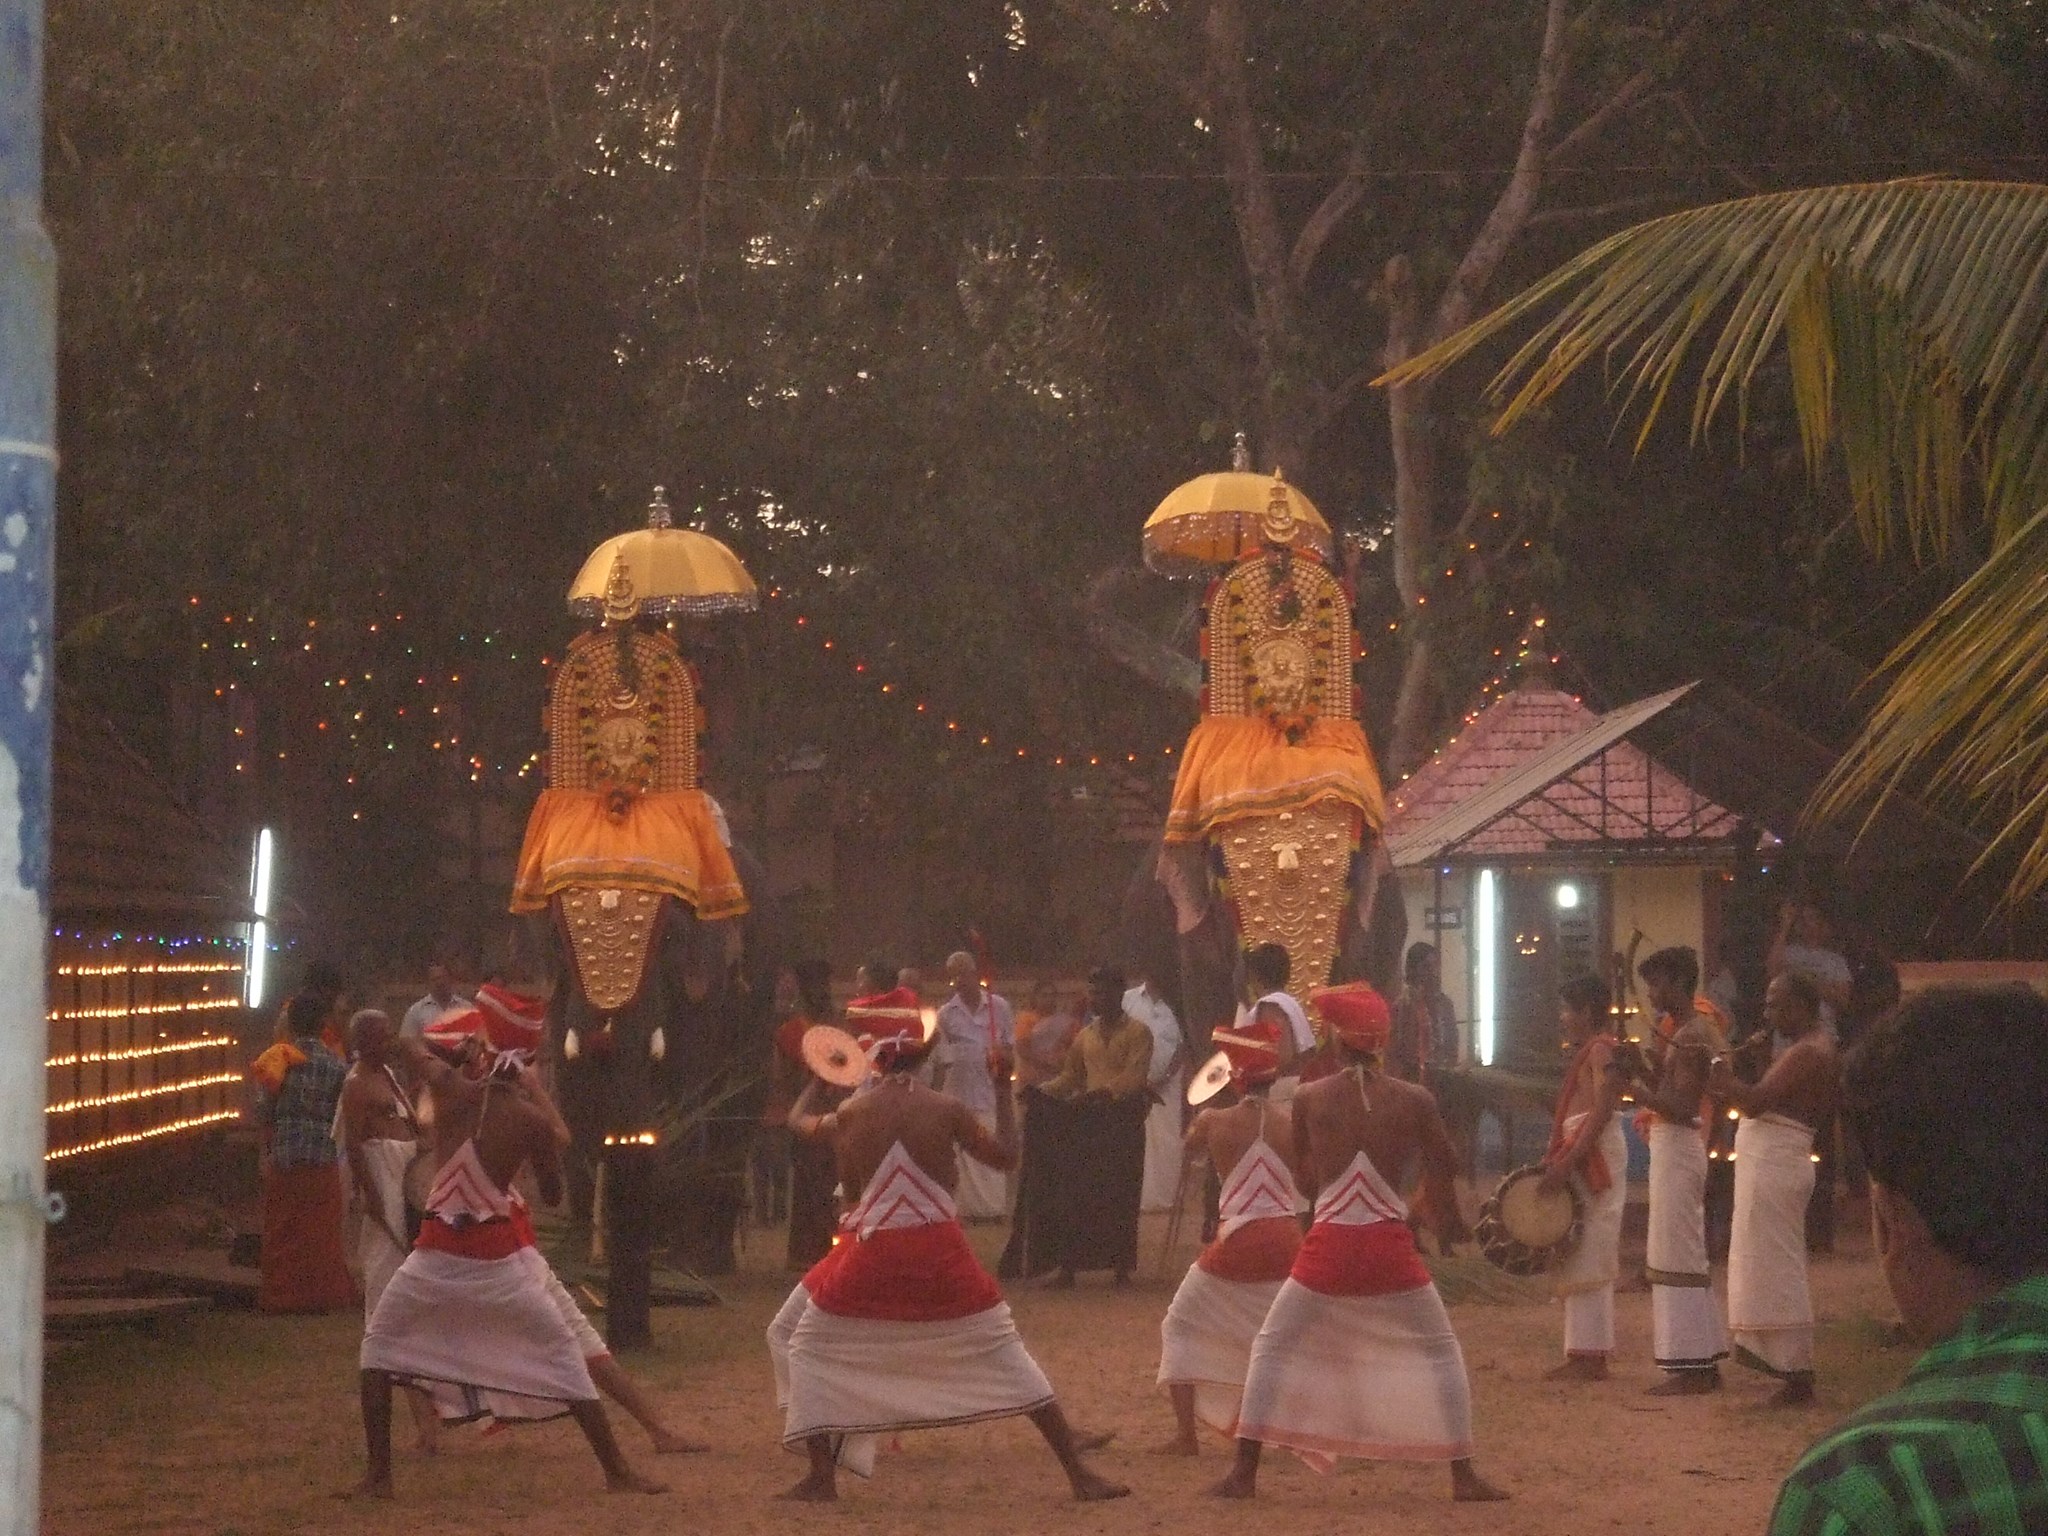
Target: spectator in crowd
[(1948, 1098), (1805, 942), (975, 1027), (1044, 1031), (1425, 1023), (441, 996), (299, 1082), (1166, 1081)]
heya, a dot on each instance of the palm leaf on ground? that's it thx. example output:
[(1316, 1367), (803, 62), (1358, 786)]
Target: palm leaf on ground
[(1914, 317)]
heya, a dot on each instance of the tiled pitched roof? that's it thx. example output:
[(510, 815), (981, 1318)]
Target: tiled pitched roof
[(1619, 796)]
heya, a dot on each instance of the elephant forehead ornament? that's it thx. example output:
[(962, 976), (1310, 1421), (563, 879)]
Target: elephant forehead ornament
[(623, 826), (1277, 785)]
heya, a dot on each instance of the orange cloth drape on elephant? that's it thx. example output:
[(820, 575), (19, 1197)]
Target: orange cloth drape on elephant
[(665, 842), (1237, 766)]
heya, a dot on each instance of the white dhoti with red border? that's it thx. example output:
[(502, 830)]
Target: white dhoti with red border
[(1357, 1356), (899, 1327), (1685, 1320), (1770, 1308)]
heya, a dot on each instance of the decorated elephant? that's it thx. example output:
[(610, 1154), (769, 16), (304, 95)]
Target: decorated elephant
[(1272, 835), (667, 973)]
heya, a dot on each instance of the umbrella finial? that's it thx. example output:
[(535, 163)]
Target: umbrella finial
[(1241, 453), (658, 514)]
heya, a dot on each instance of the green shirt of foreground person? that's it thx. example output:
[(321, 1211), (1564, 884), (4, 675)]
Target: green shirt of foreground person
[(1948, 1098)]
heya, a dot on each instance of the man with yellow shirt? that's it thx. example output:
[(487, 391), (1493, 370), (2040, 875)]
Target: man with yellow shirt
[(1098, 1101)]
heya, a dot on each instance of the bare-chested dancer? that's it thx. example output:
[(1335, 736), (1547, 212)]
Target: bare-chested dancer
[(1206, 1336), (1357, 1356), (1589, 1150), (380, 1136), (1770, 1309), (899, 1327), (469, 1316), (1687, 1335)]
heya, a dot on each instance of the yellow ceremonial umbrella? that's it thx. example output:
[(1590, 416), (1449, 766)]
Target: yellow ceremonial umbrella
[(1216, 520), (661, 569)]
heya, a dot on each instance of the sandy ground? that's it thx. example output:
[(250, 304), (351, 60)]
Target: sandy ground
[(242, 1424)]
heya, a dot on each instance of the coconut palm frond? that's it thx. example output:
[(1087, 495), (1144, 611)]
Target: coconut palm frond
[(1964, 708), (1914, 315)]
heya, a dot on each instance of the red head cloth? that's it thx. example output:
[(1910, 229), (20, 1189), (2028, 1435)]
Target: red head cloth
[(453, 1028), (1254, 1052), (1356, 1014), (512, 1021), (890, 1026)]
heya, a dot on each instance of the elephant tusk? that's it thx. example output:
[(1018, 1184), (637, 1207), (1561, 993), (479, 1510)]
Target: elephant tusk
[(657, 1044), (570, 1046)]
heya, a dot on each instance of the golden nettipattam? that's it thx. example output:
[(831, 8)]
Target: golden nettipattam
[(1277, 778)]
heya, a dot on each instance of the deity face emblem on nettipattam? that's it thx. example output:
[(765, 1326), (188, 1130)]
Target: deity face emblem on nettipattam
[(621, 741), (1284, 670)]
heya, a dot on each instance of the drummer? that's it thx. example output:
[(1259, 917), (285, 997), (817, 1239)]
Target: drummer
[(1589, 1154)]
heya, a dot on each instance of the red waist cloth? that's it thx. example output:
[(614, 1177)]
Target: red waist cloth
[(922, 1274), (1375, 1260), (1257, 1251), (479, 1239)]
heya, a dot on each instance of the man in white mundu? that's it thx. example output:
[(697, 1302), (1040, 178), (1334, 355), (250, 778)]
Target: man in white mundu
[(469, 1316), (1770, 1308), (1266, 969), (975, 1026), (899, 1327), (1687, 1335), (1166, 1078), (1206, 1337), (1357, 1356), (1589, 1149)]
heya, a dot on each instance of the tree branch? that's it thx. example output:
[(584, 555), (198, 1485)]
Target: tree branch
[(1635, 91), (1130, 645), (1525, 183), (1229, 99), (711, 139), (1329, 215)]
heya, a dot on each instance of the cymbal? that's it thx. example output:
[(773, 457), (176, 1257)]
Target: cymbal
[(835, 1056), (1211, 1080)]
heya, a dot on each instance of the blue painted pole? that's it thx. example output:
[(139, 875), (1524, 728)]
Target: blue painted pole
[(28, 482)]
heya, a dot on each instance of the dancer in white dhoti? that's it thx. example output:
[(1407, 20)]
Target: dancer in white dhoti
[(470, 1316), (1687, 1335), (975, 1025), (899, 1327), (1770, 1309), (1357, 1356), (379, 1135), (1206, 1337), (1166, 1080), (1589, 1148)]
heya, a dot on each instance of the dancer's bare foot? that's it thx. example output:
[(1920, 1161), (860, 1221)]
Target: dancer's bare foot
[(1796, 1392), (1093, 1487), (1579, 1368), (1179, 1445), (812, 1490), (627, 1480), (371, 1487), (667, 1442), (1468, 1487), (1686, 1384), (1236, 1486)]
